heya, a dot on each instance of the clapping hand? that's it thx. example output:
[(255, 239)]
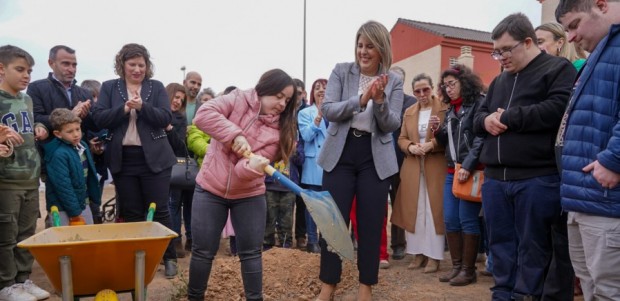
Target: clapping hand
[(82, 108), (10, 135), (135, 102), (375, 90)]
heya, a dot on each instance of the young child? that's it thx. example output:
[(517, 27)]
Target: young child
[(20, 167), (260, 120), (71, 175), (280, 202)]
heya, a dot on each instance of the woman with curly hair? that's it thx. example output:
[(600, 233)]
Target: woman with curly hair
[(462, 90), (136, 111)]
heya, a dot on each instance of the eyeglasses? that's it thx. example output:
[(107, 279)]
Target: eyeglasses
[(451, 84), (424, 90), (506, 53)]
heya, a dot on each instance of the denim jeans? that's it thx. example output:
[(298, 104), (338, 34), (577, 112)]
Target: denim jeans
[(519, 216), (311, 230), (248, 216), (459, 215), (180, 204)]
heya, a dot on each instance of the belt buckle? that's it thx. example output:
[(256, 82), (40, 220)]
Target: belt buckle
[(355, 133)]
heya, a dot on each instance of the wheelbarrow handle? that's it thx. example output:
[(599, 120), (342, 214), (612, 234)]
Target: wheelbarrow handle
[(55, 216), (284, 180), (149, 216)]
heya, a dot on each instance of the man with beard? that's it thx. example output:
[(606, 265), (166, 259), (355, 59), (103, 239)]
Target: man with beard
[(192, 83)]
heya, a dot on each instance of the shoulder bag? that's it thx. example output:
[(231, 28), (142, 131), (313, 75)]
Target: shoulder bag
[(469, 190), (184, 172)]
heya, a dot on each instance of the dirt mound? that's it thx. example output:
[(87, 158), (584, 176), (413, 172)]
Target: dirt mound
[(288, 274)]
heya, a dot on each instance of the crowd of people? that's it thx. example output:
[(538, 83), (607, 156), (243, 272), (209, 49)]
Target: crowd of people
[(545, 132)]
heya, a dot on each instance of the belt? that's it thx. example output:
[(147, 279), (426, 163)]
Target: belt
[(358, 133)]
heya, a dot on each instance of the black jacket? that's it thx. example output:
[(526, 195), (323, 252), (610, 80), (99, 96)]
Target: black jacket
[(467, 146), (152, 120), (178, 135), (49, 94), (534, 99)]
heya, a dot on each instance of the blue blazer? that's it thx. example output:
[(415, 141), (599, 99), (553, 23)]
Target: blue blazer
[(313, 139), (342, 102)]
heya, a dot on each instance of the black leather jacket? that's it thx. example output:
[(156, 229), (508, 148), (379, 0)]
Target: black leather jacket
[(466, 145)]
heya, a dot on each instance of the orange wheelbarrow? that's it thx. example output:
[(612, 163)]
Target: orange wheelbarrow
[(83, 260)]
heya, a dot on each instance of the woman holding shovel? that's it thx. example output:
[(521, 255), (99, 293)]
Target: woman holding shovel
[(363, 106), (259, 120)]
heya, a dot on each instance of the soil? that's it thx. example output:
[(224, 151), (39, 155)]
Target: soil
[(291, 274)]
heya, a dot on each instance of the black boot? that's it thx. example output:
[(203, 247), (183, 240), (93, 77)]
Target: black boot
[(470, 251), (455, 244)]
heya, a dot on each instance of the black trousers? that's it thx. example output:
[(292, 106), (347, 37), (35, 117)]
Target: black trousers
[(355, 175), (137, 187)]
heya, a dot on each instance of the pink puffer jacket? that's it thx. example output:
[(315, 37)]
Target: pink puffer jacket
[(223, 173)]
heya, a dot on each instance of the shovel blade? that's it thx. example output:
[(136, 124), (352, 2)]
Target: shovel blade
[(328, 219)]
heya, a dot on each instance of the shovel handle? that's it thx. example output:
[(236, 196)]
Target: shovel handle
[(284, 180)]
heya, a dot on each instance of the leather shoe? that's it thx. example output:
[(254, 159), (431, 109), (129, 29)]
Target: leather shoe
[(170, 268), (399, 253), (313, 248)]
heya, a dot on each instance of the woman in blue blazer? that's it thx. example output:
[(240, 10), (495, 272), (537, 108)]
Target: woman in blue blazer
[(313, 131)]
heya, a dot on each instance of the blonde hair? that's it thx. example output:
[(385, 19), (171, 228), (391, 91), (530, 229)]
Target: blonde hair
[(568, 49), (379, 36)]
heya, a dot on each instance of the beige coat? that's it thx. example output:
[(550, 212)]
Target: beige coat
[(406, 208)]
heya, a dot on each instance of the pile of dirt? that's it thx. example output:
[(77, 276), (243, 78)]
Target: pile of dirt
[(288, 274)]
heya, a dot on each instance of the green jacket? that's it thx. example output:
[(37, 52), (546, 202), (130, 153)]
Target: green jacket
[(22, 169), (197, 142)]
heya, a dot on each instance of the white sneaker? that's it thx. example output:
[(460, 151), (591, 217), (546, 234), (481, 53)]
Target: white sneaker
[(16, 292), (34, 290)]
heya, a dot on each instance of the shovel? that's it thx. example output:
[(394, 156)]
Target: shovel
[(325, 213)]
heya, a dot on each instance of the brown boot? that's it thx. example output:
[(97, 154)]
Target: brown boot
[(470, 251), (431, 266), (455, 244), (418, 262), (178, 246)]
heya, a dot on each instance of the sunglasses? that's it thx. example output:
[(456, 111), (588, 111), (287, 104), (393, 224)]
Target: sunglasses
[(424, 90)]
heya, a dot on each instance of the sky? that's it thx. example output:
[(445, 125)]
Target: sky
[(229, 42)]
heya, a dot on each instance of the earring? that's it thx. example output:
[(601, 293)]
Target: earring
[(558, 49)]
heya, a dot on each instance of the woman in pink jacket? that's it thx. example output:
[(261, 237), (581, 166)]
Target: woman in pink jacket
[(260, 120)]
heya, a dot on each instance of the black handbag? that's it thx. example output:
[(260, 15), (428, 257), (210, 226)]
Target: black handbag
[(184, 172)]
